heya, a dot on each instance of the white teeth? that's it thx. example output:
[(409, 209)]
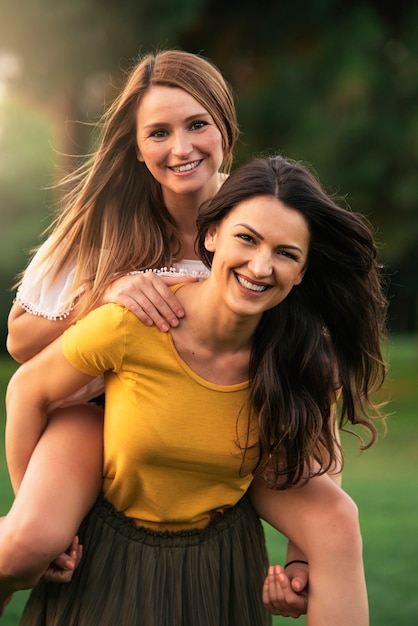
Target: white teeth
[(185, 168), (249, 285)]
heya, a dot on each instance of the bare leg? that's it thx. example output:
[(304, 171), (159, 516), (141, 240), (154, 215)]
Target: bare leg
[(322, 520), (60, 485)]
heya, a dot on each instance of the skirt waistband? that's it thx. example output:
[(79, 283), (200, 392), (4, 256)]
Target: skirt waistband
[(127, 526)]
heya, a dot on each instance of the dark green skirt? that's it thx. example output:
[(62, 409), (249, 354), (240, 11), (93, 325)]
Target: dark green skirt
[(132, 576)]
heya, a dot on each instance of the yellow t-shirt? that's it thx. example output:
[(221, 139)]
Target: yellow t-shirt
[(171, 458)]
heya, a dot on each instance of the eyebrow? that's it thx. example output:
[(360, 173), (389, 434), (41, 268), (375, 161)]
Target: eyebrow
[(195, 116), (282, 246)]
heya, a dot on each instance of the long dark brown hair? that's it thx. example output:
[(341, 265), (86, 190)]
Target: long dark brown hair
[(325, 336)]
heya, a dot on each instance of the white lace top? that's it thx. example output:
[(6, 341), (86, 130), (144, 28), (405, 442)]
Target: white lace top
[(38, 295)]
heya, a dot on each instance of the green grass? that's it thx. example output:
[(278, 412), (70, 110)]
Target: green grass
[(384, 483)]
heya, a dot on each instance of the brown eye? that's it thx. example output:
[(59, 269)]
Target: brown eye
[(245, 237), (198, 125), (288, 254)]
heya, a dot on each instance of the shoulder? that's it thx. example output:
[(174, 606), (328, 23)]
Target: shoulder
[(111, 316), (100, 339)]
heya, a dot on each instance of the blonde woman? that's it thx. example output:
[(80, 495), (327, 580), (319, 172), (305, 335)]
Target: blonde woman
[(165, 146)]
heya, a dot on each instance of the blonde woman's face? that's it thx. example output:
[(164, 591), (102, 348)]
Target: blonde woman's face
[(179, 142)]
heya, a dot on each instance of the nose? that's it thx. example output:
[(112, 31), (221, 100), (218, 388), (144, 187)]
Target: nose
[(181, 145), (261, 264)]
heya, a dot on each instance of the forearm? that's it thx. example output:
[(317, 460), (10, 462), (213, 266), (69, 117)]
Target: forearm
[(43, 380), (23, 430), (294, 553)]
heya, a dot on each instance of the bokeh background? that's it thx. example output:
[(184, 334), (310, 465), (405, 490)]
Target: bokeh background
[(328, 82)]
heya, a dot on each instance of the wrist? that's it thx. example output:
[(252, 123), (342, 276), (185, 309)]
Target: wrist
[(296, 561)]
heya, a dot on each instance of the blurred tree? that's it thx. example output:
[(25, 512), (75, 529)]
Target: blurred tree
[(25, 169), (335, 85), (25, 172), (71, 52)]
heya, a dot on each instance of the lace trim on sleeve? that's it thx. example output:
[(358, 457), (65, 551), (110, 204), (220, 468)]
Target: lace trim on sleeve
[(39, 295), (30, 308)]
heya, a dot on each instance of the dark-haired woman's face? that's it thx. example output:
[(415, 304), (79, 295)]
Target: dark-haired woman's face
[(260, 253)]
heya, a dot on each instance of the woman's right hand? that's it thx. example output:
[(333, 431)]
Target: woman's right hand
[(148, 296)]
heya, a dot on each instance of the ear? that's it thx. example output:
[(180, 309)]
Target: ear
[(210, 238), (139, 156)]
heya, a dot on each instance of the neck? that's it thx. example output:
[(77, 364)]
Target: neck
[(214, 344), (183, 208), (212, 324)]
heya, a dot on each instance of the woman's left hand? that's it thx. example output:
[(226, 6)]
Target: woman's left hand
[(279, 598), (61, 570)]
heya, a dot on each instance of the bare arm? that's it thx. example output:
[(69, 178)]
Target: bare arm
[(323, 521), (285, 592), (45, 378), (334, 474), (147, 295), (28, 334), (289, 588)]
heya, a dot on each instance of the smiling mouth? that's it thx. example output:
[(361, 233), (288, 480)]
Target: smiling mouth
[(187, 167), (251, 286)]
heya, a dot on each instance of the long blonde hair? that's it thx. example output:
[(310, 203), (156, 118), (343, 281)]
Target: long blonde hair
[(113, 219)]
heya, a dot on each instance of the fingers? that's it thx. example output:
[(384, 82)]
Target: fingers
[(71, 558), (278, 596), (63, 562), (155, 303), (61, 570), (75, 552), (300, 580), (54, 575), (148, 296)]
